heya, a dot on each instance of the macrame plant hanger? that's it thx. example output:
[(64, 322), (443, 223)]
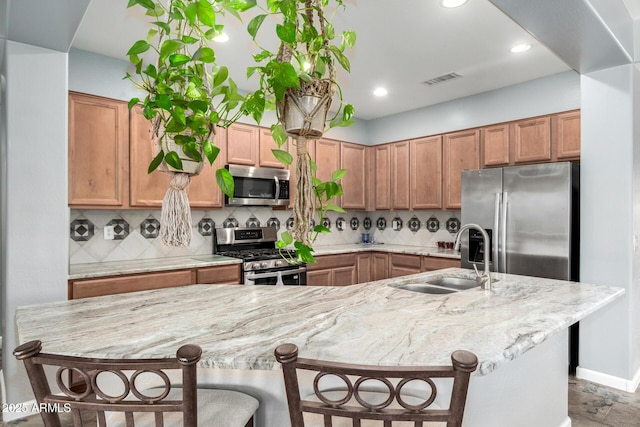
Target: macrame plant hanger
[(305, 200)]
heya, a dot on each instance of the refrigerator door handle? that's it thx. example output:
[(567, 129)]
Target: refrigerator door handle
[(496, 233), (503, 233)]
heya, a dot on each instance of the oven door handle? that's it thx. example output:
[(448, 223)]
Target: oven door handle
[(253, 276)]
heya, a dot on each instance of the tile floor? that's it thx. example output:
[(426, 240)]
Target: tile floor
[(590, 405)]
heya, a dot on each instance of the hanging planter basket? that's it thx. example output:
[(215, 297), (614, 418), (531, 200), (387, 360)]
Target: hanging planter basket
[(304, 111), (189, 166)]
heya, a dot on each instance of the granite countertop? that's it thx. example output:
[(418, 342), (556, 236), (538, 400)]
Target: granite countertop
[(238, 327), (117, 268)]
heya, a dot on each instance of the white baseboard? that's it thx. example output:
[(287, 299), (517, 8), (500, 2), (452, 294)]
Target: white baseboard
[(15, 411), (629, 386)]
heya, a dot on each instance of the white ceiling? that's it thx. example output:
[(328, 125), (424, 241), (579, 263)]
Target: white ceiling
[(401, 43)]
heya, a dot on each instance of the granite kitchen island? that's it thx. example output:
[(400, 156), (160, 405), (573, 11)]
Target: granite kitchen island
[(518, 330)]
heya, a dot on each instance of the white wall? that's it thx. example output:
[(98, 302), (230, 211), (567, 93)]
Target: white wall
[(607, 173), (34, 246), (559, 92)]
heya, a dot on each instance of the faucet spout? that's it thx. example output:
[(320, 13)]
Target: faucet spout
[(483, 279)]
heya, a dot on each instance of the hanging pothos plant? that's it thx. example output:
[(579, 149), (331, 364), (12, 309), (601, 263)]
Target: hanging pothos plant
[(300, 79), (187, 96)]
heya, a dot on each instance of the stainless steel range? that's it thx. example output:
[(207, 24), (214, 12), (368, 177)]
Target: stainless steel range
[(263, 263)]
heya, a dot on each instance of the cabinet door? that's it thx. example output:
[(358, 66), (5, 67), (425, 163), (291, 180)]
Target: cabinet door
[(403, 265), (400, 176), (426, 173), (265, 156), (319, 278), (327, 158), (436, 263), (461, 152), (531, 140), (147, 190), (383, 176), (242, 144), (344, 276), (98, 151), (566, 135), (352, 158), (379, 266), (495, 145), (364, 267)]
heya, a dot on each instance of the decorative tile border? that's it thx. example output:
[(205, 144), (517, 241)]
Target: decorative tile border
[(150, 228), (340, 223), (289, 224), (120, 228), (326, 222), (433, 224), (206, 227), (253, 222), (381, 223), (366, 223), (396, 224), (230, 222), (414, 224), (273, 222), (354, 223), (453, 225), (81, 230)]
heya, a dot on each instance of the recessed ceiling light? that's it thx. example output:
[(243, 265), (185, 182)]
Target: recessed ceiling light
[(380, 91), (520, 48), (221, 38), (453, 3)]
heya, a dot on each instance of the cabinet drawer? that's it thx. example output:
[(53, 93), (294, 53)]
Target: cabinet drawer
[(133, 283), (435, 263), (224, 274), (403, 260), (332, 261)]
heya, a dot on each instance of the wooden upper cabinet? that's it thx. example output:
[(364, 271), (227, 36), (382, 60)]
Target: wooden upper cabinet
[(565, 135), (327, 158), (265, 155), (426, 173), (353, 159), (400, 176), (460, 152), (382, 176), (531, 140), (98, 151), (243, 144), (148, 190), (495, 145)]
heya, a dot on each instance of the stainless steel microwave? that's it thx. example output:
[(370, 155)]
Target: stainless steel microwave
[(258, 186)]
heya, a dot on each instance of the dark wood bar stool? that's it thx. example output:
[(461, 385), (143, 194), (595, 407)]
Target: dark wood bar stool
[(357, 405), (167, 405)]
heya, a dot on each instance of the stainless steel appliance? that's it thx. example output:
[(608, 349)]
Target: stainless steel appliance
[(262, 262), (258, 186), (532, 216)]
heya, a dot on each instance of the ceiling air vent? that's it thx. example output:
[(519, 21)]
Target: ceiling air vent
[(442, 79)]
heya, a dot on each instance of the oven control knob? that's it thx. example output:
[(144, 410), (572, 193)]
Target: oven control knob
[(255, 266), (278, 263)]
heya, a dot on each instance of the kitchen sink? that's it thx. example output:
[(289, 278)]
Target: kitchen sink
[(439, 285)]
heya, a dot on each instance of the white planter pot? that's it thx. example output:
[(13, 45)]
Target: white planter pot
[(189, 165), (294, 117)]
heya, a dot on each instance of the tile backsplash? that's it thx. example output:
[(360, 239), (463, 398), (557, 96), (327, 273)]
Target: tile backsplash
[(136, 232)]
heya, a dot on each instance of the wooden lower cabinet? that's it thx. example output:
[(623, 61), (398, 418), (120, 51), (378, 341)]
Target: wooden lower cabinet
[(430, 263), (85, 288), (333, 270), (379, 266), (224, 274), (403, 264), (364, 267)]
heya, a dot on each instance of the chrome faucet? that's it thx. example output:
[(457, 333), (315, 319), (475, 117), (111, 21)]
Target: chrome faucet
[(484, 279)]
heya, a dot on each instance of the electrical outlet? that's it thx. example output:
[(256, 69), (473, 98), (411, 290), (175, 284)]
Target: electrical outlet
[(109, 234)]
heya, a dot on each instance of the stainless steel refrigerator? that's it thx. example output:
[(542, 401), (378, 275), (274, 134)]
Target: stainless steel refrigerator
[(532, 215)]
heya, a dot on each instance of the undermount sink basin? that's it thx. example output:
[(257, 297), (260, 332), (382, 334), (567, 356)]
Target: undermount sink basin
[(458, 283), (439, 285), (424, 288)]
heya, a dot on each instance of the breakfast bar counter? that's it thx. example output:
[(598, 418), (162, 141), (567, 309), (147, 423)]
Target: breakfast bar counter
[(518, 330)]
